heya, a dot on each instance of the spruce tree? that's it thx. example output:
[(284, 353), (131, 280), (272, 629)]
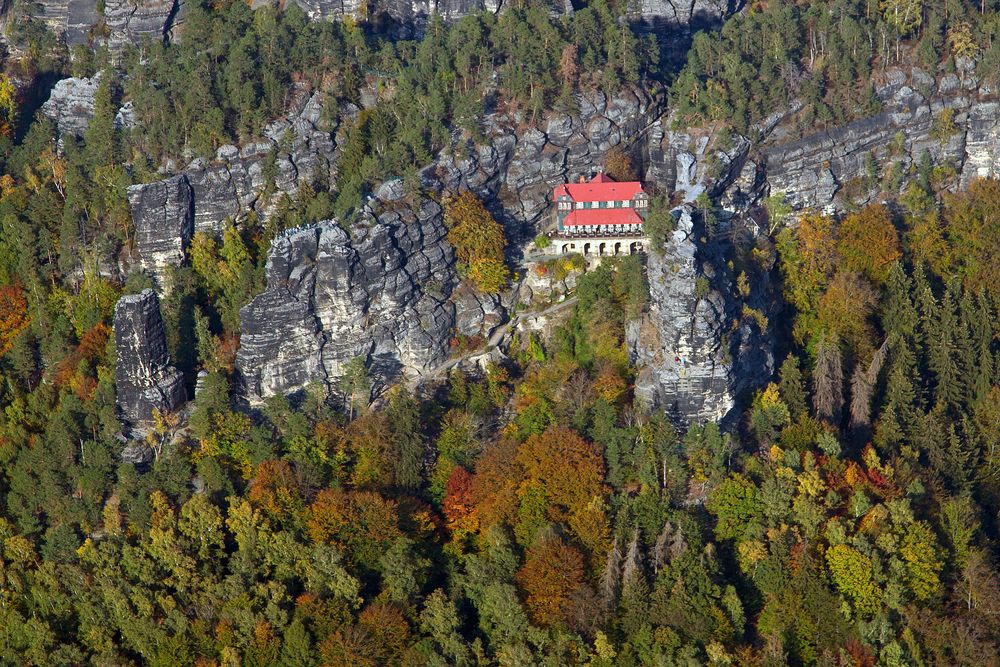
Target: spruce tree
[(942, 355), (899, 315), (792, 387)]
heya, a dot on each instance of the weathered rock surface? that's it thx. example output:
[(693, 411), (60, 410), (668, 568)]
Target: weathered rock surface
[(693, 14), (203, 196), (73, 19), (144, 378), (164, 230), (71, 104), (388, 292), (381, 293), (695, 351), (126, 21), (821, 169), (129, 20), (405, 18)]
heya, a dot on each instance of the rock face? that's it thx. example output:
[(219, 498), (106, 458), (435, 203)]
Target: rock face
[(823, 169), (693, 14), (388, 291), (126, 21), (695, 350), (71, 104), (165, 228), (381, 293), (72, 19), (129, 20), (167, 213), (144, 378)]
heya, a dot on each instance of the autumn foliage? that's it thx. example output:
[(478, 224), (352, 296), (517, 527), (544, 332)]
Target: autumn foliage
[(478, 240), (13, 315), (551, 577)]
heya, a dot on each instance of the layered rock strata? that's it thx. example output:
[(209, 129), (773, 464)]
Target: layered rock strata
[(295, 151), (381, 293), (953, 120), (696, 351), (144, 378)]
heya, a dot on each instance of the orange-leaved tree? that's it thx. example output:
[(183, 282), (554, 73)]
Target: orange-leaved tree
[(551, 578), (869, 243), (458, 506), (570, 469), (13, 315)]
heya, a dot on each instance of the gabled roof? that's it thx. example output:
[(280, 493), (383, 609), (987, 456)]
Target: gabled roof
[(600, 188), (589, 217)]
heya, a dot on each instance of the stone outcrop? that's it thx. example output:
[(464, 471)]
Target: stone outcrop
[(73, 19), (381, 293), (689, 14), (821, 169), (404, 18), (71, 104), (125, 21), (129, 20), (695, 350), (164, 230), (144, 378), (295, 151)]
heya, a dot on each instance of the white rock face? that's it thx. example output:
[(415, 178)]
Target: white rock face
[(71, 104)]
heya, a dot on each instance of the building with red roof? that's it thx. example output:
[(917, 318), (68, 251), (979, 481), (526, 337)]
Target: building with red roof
[(601, 206)]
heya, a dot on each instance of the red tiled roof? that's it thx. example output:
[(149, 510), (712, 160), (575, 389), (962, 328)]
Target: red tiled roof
[(588, 217), (599, 188)]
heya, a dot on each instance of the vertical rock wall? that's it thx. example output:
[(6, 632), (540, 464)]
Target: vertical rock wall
[(144, 378)]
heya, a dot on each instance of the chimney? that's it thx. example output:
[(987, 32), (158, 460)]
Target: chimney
[(582, 179)]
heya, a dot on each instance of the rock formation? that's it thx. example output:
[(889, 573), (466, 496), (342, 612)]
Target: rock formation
[(73, 19), (144, 378), (381, 293), (951, 119), (71, 104), (126, 21), (167, 213), (695, 349), (166, 225), (129, 20), (690, 14)]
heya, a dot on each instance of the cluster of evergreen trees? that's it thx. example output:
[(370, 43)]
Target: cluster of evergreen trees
[(824, 54)]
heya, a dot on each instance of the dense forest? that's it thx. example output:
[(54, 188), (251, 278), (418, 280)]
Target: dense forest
[(536, 512)]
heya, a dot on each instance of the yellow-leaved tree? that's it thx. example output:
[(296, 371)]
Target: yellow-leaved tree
[(478, 240)]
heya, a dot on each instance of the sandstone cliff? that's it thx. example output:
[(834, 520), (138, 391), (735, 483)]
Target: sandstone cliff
[(696, 351), (381, 293), (125, 21), (952, 119), (203, 196), (390, 292), (144, 379)]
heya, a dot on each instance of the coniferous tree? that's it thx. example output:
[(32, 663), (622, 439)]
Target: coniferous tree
[(828, 381), (793, 387), (942, 355)]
